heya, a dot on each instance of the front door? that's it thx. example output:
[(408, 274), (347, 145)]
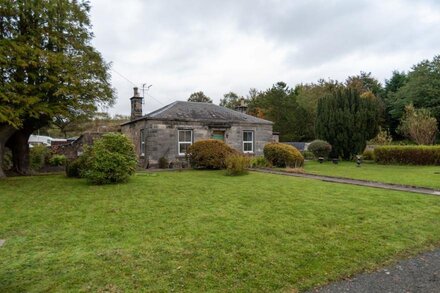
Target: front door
[(218, 134)]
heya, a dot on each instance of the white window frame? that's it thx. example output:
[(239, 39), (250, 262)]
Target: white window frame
[(183, 142), (248, 141), (142, 142)]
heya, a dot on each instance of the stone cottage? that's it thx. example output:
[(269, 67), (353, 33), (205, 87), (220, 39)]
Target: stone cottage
[(170, 130)]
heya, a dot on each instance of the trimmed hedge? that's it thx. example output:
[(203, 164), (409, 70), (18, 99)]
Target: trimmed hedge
[(283, 155), (209, 154), (408, 155)]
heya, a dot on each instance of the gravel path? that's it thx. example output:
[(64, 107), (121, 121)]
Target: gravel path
[(419, 274), (374, 184)]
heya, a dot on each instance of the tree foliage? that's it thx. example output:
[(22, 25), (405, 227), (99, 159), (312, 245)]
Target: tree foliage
[(48, 67), (398, 79), (418, 125), (279, 104), (230, 100), (308, 96), (346, 120), (422, 89), (199, 97)]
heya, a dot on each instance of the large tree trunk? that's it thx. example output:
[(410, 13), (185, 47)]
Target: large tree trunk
[(18, 143), (6, 131)]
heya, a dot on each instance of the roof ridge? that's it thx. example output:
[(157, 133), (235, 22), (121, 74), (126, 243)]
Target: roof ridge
[(160, 110), (193, 111)]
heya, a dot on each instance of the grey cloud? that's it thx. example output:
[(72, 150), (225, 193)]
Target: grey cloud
[(182, 46)]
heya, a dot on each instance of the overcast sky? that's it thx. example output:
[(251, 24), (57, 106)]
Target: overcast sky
[(219, 46)]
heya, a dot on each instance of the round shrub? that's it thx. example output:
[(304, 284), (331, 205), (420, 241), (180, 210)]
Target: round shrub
[(57, 160), (308, 155), (37, 156), (237, 164), (77, 167), (112, 160), (209, 154), (283, 155), (320, 148)]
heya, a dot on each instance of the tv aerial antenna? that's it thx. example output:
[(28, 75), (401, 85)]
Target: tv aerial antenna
[(143, 91)]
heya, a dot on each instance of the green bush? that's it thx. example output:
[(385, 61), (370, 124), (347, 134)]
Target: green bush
[(368, 155), (37, 156), (7, 159), (57, 160), (320, 148), (283, 155), (260, 162), (209, 154), (308, 155), (163, 163), (111, 159), (408, 155), (237, 165)]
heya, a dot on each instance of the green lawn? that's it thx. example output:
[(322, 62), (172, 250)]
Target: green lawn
[(425, 176), (200, 231)]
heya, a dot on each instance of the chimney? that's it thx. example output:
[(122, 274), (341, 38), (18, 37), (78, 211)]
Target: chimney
[(136, 105), (242, 106)]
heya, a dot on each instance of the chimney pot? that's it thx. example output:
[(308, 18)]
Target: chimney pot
[(136, 92)]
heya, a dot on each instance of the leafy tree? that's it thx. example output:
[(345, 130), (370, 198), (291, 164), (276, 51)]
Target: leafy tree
[(230, 100), (346, 120), (308, 96), (365, 82), (367, 85), (279, 104), (199, 97), (48, 70), (392, 86), (418, 125), (422, 89)]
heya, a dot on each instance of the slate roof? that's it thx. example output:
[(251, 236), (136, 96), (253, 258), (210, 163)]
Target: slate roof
[(200, 112)]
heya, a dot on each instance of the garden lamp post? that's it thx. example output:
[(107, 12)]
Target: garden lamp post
[(358, 161)]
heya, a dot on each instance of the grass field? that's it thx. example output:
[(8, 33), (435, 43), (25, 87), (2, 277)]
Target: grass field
[(199, 231), (425, 176)]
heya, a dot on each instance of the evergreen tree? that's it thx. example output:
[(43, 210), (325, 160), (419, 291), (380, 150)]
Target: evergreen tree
[(48, 69), (346, 120)]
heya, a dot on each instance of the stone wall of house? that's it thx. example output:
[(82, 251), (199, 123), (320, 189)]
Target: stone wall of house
[(161, 138)]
